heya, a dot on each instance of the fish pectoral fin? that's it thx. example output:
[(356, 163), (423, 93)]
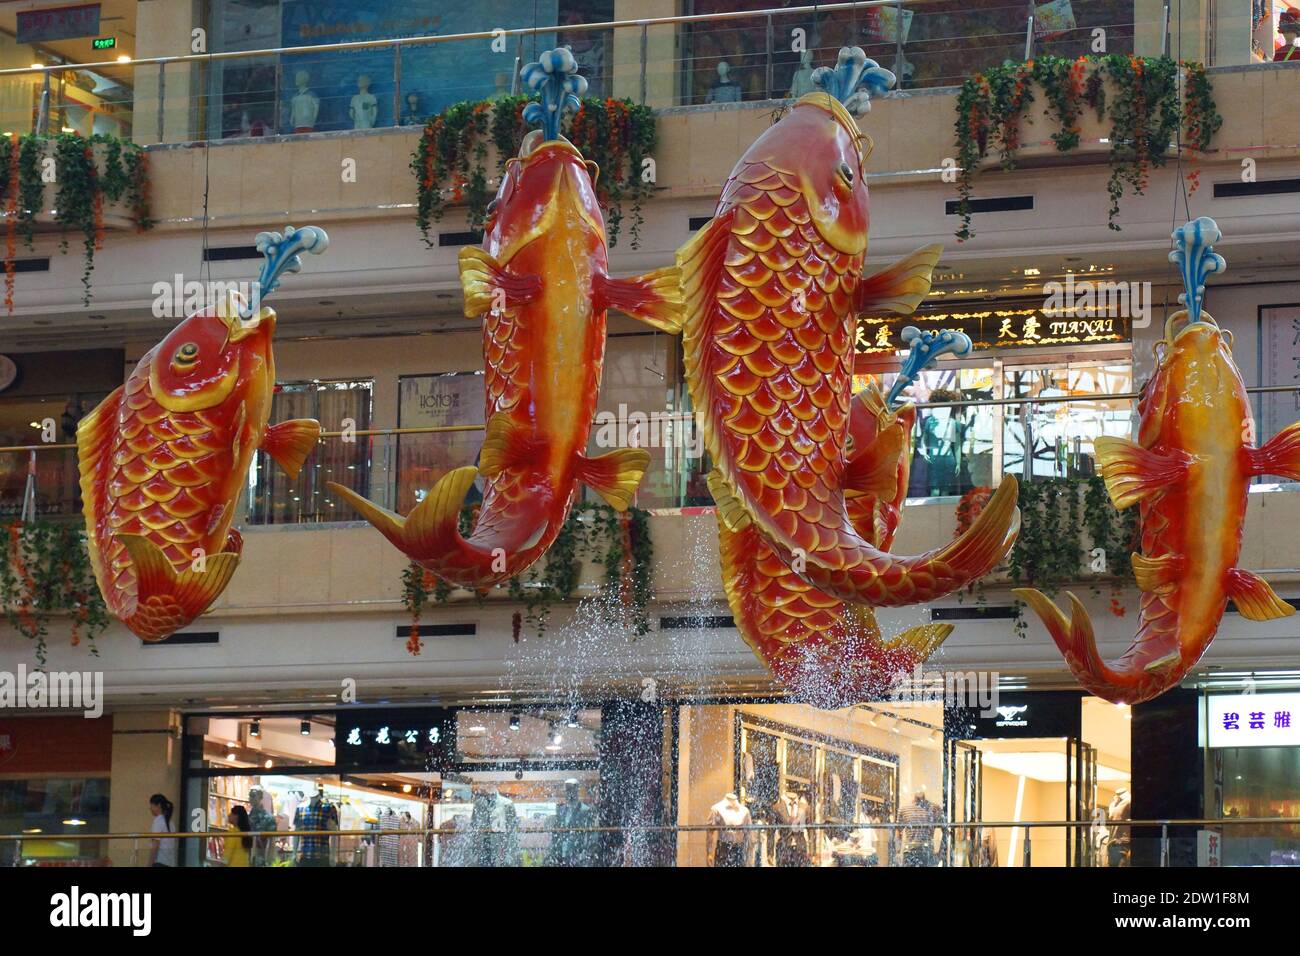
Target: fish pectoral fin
[(289, 443), (506, 444), (900, 287), (193, 589), (874, 471), (1158, 574), (699, 260), (922, 640), (1255, 600), (1131, 472), (489, 287), (1280, 455), (731, 511), (655, 298), (614, 475)]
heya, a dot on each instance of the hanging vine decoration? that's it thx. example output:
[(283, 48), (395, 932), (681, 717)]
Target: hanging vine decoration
[(450, 161), (46, 575), (620, 544), (1144, 114), (85, 183), (1057, 516)]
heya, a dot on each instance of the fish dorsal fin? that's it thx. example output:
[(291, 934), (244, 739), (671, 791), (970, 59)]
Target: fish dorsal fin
[(94, 440), (700, 264)]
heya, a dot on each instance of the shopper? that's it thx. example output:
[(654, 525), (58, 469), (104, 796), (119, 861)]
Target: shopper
[(237, 848), (164, 851)]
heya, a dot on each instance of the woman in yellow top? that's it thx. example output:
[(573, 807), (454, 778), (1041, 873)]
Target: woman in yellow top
[(237, 847)]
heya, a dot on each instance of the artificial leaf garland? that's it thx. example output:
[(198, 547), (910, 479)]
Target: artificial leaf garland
[(450, 161), (81, 192), (1144, 113), (46, 574)]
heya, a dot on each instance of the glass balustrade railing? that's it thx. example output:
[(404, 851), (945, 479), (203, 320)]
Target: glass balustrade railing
[(389, 74)]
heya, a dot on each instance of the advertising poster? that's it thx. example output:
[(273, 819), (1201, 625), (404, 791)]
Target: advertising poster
[(430, 401)]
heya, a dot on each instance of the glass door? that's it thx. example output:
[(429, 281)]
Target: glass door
[(963, 802), (1080, 800)]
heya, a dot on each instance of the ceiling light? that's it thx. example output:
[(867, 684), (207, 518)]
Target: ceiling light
[(304, 728), (123, 58), (406, 788), (74, 822), (230, 756), (38, 66), (269, 765), (514, 720), (69, 129), (255, 729), (33, 830), (572, 721)]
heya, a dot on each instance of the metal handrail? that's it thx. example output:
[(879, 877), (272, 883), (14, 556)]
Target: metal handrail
[(669, 828), (437, 429), (458, 37)]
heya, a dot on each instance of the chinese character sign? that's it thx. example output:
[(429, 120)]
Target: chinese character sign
[(1253, 720)]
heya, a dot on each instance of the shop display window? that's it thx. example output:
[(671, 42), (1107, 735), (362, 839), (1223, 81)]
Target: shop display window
[(1260, 782), (75, 807)]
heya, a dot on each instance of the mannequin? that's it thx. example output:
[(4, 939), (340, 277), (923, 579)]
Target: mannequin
[(412, 115), (918, 837), (388, 845), (305, 105), (260, 819), (725, 89), (1120, 845), (1288, 24), (408, 854), (730, 847), (495, 826), (316, 814), (792, 847), (802, 82), (1099, 836), (364, 108), (572, 849)]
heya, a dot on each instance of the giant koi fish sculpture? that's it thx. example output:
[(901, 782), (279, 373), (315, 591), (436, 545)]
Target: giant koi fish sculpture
[(823, 651), (1188, 472), (163, 458), (773, 286), (542, 283)]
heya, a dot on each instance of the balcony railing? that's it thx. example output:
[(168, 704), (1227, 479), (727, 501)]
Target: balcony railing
[(965, 441), (710, 58), (1240, 841)]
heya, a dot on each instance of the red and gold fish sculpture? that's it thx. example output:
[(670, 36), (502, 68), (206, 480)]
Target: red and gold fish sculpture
[(773, 286), (542, 283), (1189, 473), (165, 456), (825, 652)]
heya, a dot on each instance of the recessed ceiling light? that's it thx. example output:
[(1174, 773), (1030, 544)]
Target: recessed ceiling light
[(326, 302)]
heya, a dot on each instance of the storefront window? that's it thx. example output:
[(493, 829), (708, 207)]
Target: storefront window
[(275, 499), (72, 806), (437, 401)]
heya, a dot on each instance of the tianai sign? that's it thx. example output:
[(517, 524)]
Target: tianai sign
[(998, 328)]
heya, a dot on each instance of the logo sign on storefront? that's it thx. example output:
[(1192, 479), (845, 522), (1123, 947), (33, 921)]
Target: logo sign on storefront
[(1027, 714), (8, 744), (396, 740), (1254, 720), (1005, 327), (58, 23)]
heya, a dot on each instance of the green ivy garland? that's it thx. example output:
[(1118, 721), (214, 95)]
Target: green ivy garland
[(45, 574), (592, 531), (450, 161), (1144, 114), (82, 190)]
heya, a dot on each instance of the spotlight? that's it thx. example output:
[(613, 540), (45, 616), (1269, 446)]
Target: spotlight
[(255, 729), (514, 720), (572, 721), (519, 775), (304, 728), (269, 765), (556, 739)]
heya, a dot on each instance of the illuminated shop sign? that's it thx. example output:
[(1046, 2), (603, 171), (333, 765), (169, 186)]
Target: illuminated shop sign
[(58, 23), (1254, 720), (997, 328), (395, 739)]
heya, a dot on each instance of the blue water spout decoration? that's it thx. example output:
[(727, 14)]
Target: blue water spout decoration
[(1196, 259), (924, 348), (282, 253), (854, 80), (554, 77)]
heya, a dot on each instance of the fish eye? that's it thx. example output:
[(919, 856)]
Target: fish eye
[(846, 174), (186, 355)]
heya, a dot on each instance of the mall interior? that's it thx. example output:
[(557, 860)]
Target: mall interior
[(517, 728)]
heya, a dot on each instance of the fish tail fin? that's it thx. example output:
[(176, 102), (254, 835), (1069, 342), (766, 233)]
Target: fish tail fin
[(432, 526), (615, 475), (983, 545), (1074, 637), (1280, 455), (488, 287), (167, 599), (921, 641), (655, 298)]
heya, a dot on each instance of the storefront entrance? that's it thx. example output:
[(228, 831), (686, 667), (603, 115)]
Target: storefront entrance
[(1040, 758)]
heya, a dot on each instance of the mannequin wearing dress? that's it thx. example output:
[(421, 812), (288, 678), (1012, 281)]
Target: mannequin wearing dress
[(1120, 809), (802, 82), (725, 90), (730, 847)]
